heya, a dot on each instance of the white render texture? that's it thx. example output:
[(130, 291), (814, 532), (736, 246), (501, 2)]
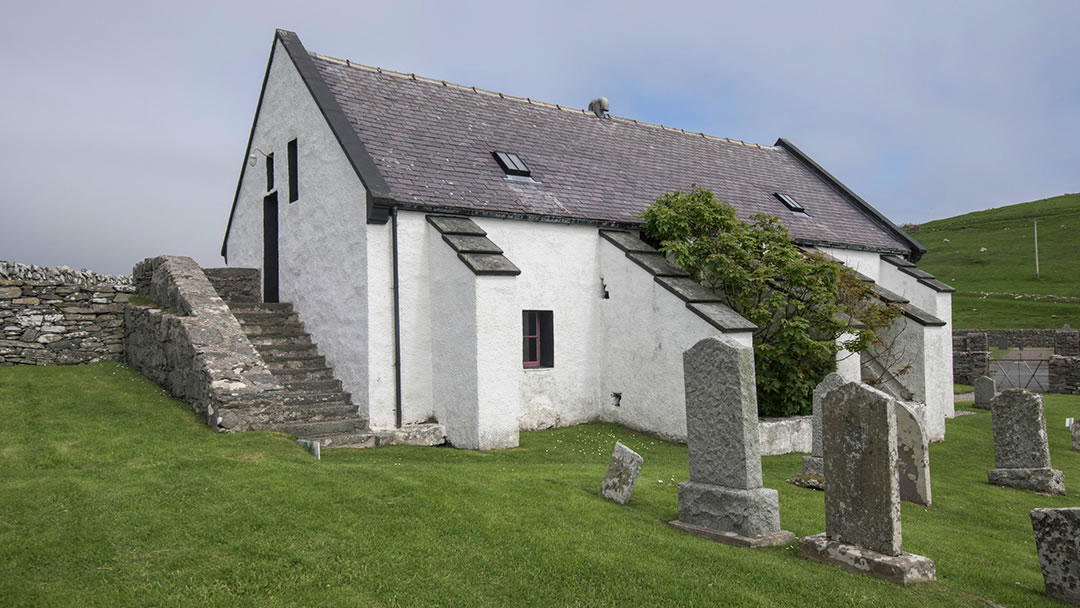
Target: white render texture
[(322, 236)]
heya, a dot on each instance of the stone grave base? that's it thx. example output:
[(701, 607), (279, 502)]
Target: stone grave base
[(722, 509), (769, 539), (1047, 481), (901, 569), (812, 465)]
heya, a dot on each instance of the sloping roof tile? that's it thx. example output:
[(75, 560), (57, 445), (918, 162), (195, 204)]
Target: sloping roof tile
[(432, 143)]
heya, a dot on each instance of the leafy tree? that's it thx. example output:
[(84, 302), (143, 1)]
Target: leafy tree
[(802, 302)]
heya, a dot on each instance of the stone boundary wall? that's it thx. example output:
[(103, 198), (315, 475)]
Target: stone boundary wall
[(239, 285), (58, 316), (191, 344), (971, 356)]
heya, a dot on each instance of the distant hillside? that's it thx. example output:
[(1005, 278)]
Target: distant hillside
[(993, 252)]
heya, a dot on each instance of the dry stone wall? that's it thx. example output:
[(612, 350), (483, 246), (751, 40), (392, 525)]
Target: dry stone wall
[(971, 356), (59, 316)]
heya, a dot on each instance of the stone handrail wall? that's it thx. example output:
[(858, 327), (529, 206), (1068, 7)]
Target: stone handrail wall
[(58, 316), (236, 285), (191, 344)]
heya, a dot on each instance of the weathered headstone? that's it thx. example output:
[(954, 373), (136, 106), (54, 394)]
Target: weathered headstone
[(724, 499), (985, 390), (1003, 343), (813, 464), (621, 474), (1076, 435), (862, 493), (1021, 450), (913, 453), (1057, 538)]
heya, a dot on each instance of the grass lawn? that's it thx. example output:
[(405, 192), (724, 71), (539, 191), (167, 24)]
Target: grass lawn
[(114, 494), (993, 251)]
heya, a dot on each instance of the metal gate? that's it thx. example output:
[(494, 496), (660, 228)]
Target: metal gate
[(1023, 368)]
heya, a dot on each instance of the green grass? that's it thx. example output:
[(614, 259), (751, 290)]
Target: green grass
[(1008, 265), (963, 389), (114, 494)]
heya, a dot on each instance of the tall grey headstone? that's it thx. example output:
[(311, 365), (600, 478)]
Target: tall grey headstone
[(913, 453), (724, 499), (1076, 435), (622, 473), (862, 491), (985, 390), (1057, 539), (1021, 450), (813, 464)]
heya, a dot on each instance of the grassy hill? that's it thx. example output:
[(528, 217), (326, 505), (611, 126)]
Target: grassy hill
[(115, 494), (989, 257)]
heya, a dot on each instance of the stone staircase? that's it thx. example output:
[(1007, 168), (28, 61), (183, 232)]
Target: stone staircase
[(316, 407)]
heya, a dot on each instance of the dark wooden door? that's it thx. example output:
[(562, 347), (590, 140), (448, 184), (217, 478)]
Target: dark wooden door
[(270, 248)]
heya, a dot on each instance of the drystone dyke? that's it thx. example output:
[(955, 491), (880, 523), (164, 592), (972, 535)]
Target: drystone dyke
[(724, 499), (1057, 539), (59, 316), (193, 346), (1021, 449), (1064, 375), (985, 391), (622, 473), (235, 285), (971, 356), (862, 489)]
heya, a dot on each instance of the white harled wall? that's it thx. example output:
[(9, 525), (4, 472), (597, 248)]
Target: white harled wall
[(322, 242)]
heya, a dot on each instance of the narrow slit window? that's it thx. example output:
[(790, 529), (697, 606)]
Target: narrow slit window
[(512, 164), (790, 202), (537, 339), (294, 186), (270, 172)]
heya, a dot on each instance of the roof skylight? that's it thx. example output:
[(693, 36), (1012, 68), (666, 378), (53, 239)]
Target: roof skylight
[(512, 164), (790, 202)]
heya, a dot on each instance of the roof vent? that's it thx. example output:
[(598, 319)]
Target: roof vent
[(599, 106)]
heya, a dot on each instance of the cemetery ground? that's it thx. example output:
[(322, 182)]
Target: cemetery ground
[(114, 494), (993, 252)]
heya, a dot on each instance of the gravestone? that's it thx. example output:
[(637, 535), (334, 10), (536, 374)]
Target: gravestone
[(862, 492), (913, 453), (813, 464), (1076, 435), (1003, 343), (724, 499), (985, 390), (622, 473), (1057, 538), (1021, 451)]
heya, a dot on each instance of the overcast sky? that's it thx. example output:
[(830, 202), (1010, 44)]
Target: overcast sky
[(124, 123)]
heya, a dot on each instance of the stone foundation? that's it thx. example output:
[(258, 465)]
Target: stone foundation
[(900, 569), (720, 508), (1043, 480)]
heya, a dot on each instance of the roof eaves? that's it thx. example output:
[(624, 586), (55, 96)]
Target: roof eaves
[(917, 250), (379, 198)]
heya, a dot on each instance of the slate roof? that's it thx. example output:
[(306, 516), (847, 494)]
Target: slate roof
[(429, 144)]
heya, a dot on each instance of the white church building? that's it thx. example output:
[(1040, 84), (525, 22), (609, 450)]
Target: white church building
[(474, 257)]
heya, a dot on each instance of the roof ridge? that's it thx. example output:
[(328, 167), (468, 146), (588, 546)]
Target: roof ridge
[(530, 101)]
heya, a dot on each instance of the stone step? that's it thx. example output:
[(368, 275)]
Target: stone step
[(410, 434), (286, 376), (294, 361), (271, 350), (311, 398), (255, 329), (310, 386), (305, 429), (277, 339), (261, 307), (313, 413), (266, 318)]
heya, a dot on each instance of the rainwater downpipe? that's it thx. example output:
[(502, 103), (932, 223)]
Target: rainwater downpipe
[(397, 321)]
